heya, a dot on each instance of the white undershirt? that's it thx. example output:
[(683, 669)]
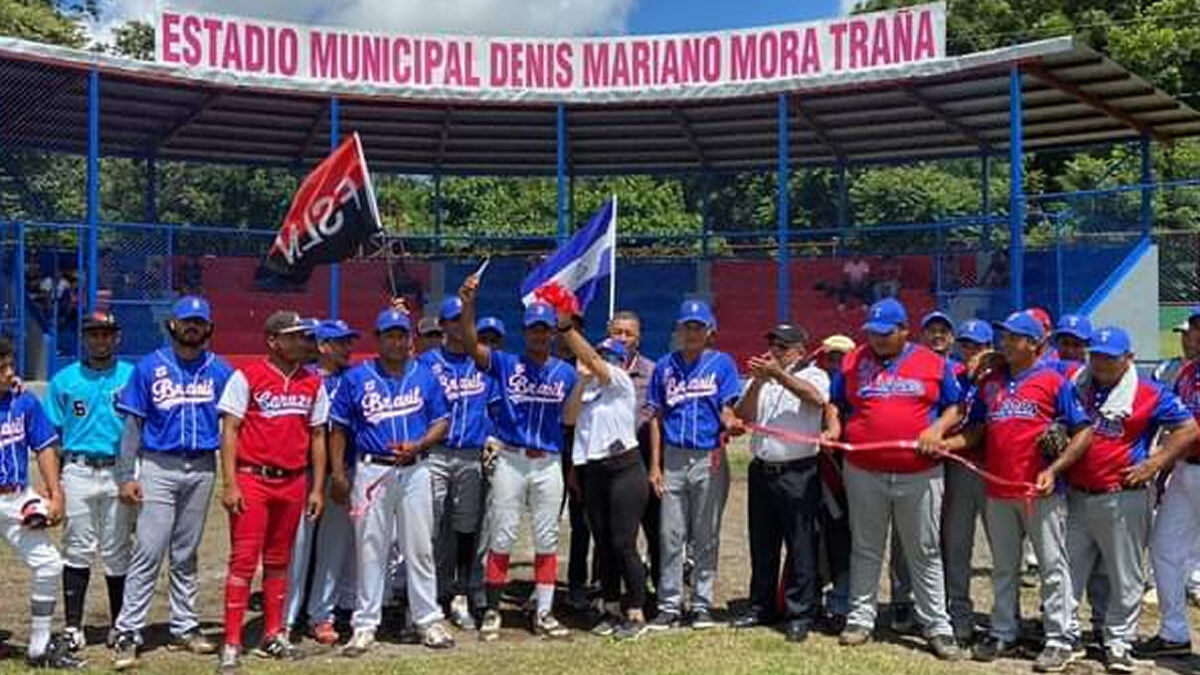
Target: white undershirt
[(607, 423)]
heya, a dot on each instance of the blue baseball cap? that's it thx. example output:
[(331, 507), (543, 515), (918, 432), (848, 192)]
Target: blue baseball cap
[(391, 319), (937, 315), (540, 313), (611, 346), (490, 323), (1111, 341), (1194, 314), (696, 311), (191, 307), (885, 316), (451, 309), (1075, 326), (975, 331), (334, 329), (1023, 324)]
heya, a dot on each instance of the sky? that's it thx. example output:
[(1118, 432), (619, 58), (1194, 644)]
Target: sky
[(496, 17)]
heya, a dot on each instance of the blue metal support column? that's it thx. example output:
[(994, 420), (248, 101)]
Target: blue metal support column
[(1016, 192), (335, 272), (783, 208), (19, 273), (93, 188), (1147, 180), (985, 198), (437, 213), (561, 171), (705, 212)]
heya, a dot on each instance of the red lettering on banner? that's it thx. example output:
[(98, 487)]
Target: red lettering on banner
[(170, 36), (789, 57), (213, 28), (499, 65), (926, 46), (289, 52), (253, 50), (401, 60), (323, 55), (838, 32), (454, 72), (640, 64), (231, 55), (811, 61), (881, 51), (349, 56), (432, 57), (690, 69), (370, 59), (902, 37), (192, 50), (744, 66), (768, 55), (669, 68), (858, 44), (565, 72), (620, 67), (470, 77), (595, 64), (712, 59)]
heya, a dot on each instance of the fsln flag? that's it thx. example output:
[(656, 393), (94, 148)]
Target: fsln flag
[(333, 216), (582, 262)]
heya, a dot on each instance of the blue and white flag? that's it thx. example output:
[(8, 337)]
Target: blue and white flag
[(580, 264)]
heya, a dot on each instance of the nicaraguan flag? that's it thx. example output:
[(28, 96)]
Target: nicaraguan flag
[(582, 262)]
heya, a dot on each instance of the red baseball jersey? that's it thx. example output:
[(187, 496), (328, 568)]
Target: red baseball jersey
[(1187, 388), (277, 412), (1016, 410), (892, 400), (1121, 442)]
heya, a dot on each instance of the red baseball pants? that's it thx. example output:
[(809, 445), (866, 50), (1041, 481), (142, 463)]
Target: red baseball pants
[(265, 529)]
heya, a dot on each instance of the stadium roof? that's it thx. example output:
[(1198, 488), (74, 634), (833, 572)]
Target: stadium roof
[(1072, 96)]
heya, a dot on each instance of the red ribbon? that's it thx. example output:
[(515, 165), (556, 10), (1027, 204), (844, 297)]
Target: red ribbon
[(559, 297), (1028, 490)]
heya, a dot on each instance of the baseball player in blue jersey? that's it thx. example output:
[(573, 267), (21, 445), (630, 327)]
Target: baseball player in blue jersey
[(170, 403), (332, 550), (392, 411), (692, 392), (455, 465), (533, 389), (80, 402), (24, 514)]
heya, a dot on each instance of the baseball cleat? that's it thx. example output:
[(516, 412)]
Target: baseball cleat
[(460, 613), (360, 643), (1053, 659), (437, 636), (702, 619), (192, 641), (277, 647), (74, 639), (124, 651), (230, 660), (546, 626), (664, 621), (489, 628), (56, 657)]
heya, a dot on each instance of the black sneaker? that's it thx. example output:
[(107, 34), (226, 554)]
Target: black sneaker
[(1157, 648), (124, 651), (630, 630), (57, 656), (1118, 661), (990, 648), (946, 648), (277, 647), (902, 619), (702, 619), (1053, 659), (664, 621), (797, 632), (606, 625)]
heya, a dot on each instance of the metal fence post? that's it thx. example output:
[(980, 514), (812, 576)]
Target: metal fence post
[(1016, 191), (705, 212), (561, 171), (1147, 178), (335, 272), (19, 270), (1058, 268), (985, 198), (151, 205), (437, 212), (783, 208), (93, 187)]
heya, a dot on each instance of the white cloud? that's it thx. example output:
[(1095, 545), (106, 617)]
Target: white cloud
[(483, 17), (847, 6)]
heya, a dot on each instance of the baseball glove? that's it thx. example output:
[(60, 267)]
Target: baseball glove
[(1053, 442)]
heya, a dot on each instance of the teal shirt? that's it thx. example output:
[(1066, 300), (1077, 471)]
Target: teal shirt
[(80, 402)]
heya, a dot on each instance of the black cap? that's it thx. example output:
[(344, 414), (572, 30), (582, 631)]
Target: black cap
[(100, 320), (788, 334)]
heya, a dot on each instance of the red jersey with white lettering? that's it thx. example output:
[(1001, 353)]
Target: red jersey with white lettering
[(1187, 388), (1118, 441), (892, 400), (277, 412), (1016, 410)]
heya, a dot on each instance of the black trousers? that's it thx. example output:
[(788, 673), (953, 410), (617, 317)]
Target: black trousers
[(581, 535), (784, 507), (651, 519), (617, 490)]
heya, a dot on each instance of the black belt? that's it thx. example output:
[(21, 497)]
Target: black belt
[(776, 468), (1194, 460), (392, 460), (90, 461), (268, 472), (618, 459), (185, 455)]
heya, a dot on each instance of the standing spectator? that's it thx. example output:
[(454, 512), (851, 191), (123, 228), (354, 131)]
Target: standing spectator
[(1167, 371), (888, 283), (429, 334), (856, 276), (785, 490), (835, 519), (191, 275)]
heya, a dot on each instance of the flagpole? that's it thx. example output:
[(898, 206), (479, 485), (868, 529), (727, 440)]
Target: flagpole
[(612, 268), (373, 205)]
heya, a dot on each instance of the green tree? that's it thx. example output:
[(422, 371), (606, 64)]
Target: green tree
[(39, 20)]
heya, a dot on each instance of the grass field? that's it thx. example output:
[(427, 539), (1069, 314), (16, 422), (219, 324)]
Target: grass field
[(684, 652)]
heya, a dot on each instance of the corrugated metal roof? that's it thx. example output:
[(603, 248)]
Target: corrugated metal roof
[(1071, 95)]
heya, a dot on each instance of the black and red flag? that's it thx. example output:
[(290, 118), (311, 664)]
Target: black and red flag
[(333, 216)]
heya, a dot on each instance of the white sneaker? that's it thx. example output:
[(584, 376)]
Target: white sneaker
[(489, 628), (436, 636), (74, 639), (360, 644), (460, 613)]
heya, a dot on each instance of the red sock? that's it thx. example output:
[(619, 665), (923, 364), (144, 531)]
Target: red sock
[(545, 569), (237, 597), (496, 573), (274, 595)]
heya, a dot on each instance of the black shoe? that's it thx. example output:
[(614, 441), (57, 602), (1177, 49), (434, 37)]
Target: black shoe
[(664, 621), (1053, 660), (702, 619), (1118, 661), (834, 624), (989, 649), (277, 647), (57, 656), (797, 632), (124, 651), (629, 630), (1157, 648), (902, 619), (946, 648), (751, 619)]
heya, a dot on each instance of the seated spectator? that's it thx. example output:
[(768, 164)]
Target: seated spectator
[(856, 276), (996, 275), (887, 285)]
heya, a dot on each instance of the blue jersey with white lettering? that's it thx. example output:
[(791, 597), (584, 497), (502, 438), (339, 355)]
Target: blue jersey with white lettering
[(689, 397), (176, 400), (82, 403), (528, 401), (24, 427), (380, 410), (466, 389)]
